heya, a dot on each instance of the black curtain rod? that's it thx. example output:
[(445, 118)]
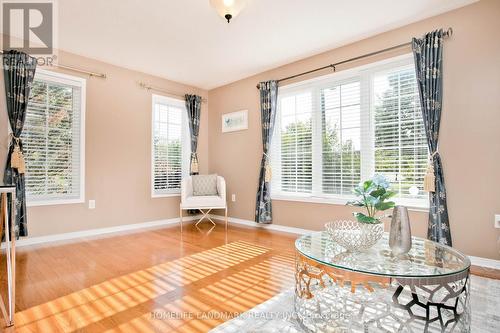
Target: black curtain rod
[(447, 34)]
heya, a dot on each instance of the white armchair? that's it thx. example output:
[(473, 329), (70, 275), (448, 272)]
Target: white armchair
[(203, 203)]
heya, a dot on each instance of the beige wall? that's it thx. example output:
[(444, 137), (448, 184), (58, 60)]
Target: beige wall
[(118, 131), (469, 141), (117, 153)]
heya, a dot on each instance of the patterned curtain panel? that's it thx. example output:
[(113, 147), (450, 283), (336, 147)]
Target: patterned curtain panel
[(428, 54), (268, 104), (19, 72), (193, 106)]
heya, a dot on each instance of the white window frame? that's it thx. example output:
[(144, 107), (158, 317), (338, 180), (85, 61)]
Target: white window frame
[(185, 142), (363, 75), (60, 78)]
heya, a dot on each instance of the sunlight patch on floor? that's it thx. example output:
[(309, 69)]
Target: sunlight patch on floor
[(91, 305), (221, 301)]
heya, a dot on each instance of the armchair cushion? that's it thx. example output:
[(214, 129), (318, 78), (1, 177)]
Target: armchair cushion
[(204, 201), (204, 185), (190, 201)]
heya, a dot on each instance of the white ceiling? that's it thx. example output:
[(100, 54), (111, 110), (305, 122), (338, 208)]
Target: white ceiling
[(186, 41)]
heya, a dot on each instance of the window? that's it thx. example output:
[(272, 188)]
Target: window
[(296, 140), (341, 137), (53, 140), (335, 131), (170, 146), (400, 145)]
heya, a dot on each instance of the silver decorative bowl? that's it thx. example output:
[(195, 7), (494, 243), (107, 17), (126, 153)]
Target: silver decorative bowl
[(353, 235)]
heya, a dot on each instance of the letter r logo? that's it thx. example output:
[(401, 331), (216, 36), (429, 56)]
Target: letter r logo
[(28, 26)]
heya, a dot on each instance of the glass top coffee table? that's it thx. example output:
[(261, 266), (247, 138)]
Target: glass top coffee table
[(426, 290)]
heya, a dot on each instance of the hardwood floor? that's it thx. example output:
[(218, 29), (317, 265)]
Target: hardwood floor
[(490, 273), (154, 281)]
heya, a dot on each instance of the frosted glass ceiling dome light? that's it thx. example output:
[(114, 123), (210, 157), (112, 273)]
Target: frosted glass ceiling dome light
[(228, 9)]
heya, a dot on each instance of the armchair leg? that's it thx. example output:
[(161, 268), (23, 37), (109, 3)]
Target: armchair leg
[(225, 217), (205, 216), (180, 214)]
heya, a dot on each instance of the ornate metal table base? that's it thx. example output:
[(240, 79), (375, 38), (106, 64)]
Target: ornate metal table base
[(329, 299)]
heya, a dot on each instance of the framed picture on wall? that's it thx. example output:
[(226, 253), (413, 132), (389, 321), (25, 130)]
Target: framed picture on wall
[(235, 121)]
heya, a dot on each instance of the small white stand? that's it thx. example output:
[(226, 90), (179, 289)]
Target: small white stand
[(10, 249)]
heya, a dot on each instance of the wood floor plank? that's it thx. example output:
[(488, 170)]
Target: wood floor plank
[(159, 280), (154, 281)]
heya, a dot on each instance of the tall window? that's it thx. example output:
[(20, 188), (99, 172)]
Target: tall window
[(341, 137), (296, 141), (400, 144), (53, 139), (170, 146), (335, 131)]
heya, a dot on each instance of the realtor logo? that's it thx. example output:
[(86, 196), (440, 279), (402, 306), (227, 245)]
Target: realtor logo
[(28, 26)]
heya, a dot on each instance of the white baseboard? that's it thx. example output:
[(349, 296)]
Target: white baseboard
[(485, 262), (100, 231), (476, 261), (275, 227)]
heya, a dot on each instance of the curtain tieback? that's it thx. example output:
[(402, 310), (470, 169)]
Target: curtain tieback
[(430, 177), (194, 163), (268, 175), (17, 157)]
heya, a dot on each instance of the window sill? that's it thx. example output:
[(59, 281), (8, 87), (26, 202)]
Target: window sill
[(411, 205), (165, 195), (54, 202), (322, 200)]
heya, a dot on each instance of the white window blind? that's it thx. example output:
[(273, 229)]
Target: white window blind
[(401, 152), (170, 146), (335, 131), (296, 143), (341, 137), (53, 139)]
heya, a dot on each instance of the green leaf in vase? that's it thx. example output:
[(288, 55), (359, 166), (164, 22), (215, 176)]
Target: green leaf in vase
[(362, 218)]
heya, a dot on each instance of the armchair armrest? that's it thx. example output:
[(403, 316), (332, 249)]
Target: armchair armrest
[(186, 188), (221, 187)]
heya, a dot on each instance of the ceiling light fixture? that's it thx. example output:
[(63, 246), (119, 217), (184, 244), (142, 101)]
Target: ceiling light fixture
[(228, 9)]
